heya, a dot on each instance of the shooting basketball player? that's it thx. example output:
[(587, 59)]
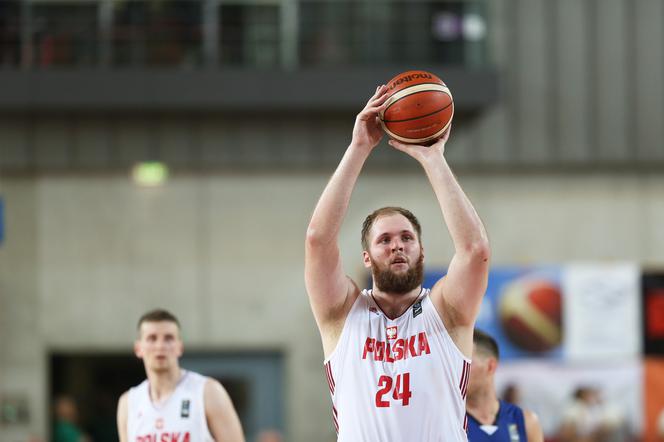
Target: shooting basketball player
[(397, 356), (490, 419), (173, 404)]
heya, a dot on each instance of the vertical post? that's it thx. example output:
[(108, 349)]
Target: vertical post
[(27, 52), (210, 32), (105, 17), (289, 13)]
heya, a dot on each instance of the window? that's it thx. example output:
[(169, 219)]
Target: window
[(249, 35), (10, 31), (64, 35), (362, 33), (165, 33)]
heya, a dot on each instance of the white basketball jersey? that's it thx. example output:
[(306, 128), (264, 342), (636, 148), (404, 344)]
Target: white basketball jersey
[(397, 380), (180, 419)]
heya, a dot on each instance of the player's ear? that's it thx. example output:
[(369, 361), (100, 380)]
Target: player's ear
[(180, 347), (137, 349), (366, 259), (492, 365)]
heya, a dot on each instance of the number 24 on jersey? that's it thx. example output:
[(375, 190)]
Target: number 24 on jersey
[(399, 386)]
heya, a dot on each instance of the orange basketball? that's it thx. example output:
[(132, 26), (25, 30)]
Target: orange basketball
[(531, 314), (419, 108)]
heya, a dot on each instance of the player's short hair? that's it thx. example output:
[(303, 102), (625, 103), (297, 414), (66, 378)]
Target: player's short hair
[(390, 210), (158, 315), (485, 343)]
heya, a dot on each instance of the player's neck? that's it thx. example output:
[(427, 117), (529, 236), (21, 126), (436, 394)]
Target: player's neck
[(163, 383), (395, 304), (483, 405)]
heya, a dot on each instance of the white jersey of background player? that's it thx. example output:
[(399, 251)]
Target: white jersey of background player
[(397, 357), (172, 404)]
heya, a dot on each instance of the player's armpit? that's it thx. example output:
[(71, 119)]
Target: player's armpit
[(222, 419)]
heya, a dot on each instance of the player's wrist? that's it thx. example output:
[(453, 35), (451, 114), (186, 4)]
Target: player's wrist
[(362, 146)]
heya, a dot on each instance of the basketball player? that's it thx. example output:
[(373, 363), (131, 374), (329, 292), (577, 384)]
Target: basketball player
[(173, 404), (397, 356), (491, 419)]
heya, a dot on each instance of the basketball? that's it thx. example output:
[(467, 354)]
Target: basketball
[(419, 107), (530, 313)]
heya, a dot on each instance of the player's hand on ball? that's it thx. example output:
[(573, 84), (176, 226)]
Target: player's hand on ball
[(423, 152), (367, 131)]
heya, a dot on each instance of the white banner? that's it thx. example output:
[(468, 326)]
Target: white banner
[(602, 313)]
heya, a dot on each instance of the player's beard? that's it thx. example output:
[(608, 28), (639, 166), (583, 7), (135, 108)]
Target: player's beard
[(398, 283)]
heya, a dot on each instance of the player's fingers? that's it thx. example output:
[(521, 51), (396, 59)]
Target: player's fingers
[(379, 97), (375, 95), (370, 112), (399, 145), (446, 135)]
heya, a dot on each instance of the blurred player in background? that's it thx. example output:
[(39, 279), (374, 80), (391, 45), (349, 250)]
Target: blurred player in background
[(173, 404), (491, 419), (397, 356), (65, 421), (589, 418)]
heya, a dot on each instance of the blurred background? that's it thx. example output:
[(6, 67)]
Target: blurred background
[(169, 153)]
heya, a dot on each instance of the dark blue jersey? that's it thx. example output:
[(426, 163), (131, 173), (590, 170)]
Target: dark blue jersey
[(509, 426)]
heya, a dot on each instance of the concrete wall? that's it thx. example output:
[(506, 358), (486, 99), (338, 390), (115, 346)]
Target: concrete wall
[(85, 256)]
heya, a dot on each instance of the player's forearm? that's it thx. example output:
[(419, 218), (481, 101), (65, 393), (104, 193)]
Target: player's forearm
[(333, 204), (463, 222)]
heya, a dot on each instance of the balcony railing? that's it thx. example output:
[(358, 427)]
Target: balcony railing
[(287, 34)]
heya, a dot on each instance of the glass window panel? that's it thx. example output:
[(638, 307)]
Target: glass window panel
[(249, 35), (64, 34), (157, 33), (364, 33), (10, 31)]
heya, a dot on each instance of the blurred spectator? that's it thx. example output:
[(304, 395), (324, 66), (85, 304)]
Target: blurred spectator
[(270, 435), (66, 427), (589, 419), (511, 394)]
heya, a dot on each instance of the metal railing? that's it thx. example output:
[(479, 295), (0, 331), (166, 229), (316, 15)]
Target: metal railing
[(261, 34)]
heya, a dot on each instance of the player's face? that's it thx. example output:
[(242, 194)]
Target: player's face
[(395, 254), (479, 372), (159, 345)]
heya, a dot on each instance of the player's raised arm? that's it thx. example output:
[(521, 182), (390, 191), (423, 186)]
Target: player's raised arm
[(328, 288), (458, 296)]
